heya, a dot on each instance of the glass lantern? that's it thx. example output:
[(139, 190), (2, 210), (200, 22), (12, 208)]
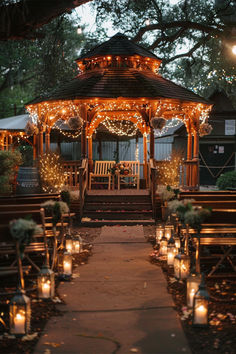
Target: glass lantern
[(169, 228), (77, 244), (20, 313), (193, 282), (46, 283), (171, 251), (177, 242), (163, 246), (159, 233), (181, 266), (69, 243), (65, 264), (200, 306)]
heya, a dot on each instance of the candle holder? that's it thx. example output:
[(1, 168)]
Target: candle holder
[(169, 228), (20, 312), (181, 266), (46, 283), (69, 243), (192, 284), (200, 306), (159, 233), (65, 264), (177, 241), (77, 244), (171, 251), (163, 246)]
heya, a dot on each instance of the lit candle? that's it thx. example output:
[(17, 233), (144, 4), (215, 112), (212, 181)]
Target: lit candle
[(170, 258), (177, 243), (46, 290), (184, 271), (77, 246), (191, 296), (67, 268), (159, 234), (69, 246), (201, 315), (168, 234), (19, 323)]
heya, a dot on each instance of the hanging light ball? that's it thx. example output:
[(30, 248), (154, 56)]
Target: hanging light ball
[(158, 123), (75, 123)]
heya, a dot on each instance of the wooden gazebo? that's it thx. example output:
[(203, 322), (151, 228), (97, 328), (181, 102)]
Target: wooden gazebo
[(119, 81)]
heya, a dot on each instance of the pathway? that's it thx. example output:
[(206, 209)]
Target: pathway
[(117, 304)]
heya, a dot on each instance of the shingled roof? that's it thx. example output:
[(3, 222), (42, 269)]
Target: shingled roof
[(119, 44), (127, 83), (113, 82)]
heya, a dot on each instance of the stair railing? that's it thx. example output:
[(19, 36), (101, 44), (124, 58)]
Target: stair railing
[(83, 184), (153, 185)]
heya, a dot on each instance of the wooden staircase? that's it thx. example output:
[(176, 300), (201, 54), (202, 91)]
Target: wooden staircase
[(127, 207)]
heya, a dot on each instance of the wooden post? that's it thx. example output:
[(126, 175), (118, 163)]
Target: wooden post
[(41, 141), (10, 140), (90, 152), (47, 140), (34, 147), (196, 159), (145, 156), (152, 143), (189, 157), (83, 141)]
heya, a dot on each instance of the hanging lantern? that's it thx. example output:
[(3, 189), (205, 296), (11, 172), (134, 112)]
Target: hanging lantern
[(46, 283), (181, 266), (20, 312), (200, 305), (169, 228), (163, 246), (193, 281), (69, 243), (65, 264), (171, 251), (159, 233)]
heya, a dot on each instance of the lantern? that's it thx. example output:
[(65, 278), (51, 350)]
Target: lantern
[(169, 228), (171, 251), (193, 281), (20, 314), (65, 264), (177, 242), (77, 244), (181, 266), (159, 233), (46, 283), (200, 305), (163, 246), (69, 243)]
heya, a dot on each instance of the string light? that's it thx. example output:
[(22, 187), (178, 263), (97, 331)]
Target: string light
[(51, 173), (121, 128)]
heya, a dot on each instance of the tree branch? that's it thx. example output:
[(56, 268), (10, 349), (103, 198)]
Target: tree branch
[(176, 24), (166, 39), (20, 20)]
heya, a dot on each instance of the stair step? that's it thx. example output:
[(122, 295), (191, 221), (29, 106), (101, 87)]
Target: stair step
[(124, 215), (117, 206), (118, 198), (97, 223)]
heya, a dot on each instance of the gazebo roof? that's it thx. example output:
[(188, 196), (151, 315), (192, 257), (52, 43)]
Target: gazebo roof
[(127, 83), (119, 44)]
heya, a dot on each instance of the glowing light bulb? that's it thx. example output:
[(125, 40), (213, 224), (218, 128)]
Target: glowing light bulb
[(234, 49)]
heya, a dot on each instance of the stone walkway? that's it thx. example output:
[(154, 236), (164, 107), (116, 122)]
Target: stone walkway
[(117, 304)]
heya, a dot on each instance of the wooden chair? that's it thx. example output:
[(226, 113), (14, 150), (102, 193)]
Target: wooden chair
[(133, 175), (101, 172)]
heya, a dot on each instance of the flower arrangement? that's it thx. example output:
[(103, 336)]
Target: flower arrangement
[(205, 129), (56, 209), (31, 128), (23, 231), (168, 193), (158, 123), (122, 169), (188, 213), (75, 123)]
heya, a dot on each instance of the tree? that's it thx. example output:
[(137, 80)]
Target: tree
[(194, 38), (20, 19), (31, 68)]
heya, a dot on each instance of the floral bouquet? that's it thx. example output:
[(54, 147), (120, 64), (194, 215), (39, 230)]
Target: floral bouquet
[(114, 170), (125, 169)]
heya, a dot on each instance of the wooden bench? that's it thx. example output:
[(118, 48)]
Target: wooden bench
[(28, 198), (102, 173), (133, 175)]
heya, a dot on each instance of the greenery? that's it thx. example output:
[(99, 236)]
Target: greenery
[(23, 230), (65, 197), (227, 180), (9, 163), (55, 209)]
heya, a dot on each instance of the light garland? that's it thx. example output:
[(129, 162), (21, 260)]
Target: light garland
[(120, 127)]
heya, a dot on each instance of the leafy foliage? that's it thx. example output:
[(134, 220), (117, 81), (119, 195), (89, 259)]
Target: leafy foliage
[(227, 180), (9, 162)]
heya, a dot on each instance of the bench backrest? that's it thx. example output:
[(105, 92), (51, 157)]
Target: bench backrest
[(133, 165), (30, 199), (103, 167), (7, 216)]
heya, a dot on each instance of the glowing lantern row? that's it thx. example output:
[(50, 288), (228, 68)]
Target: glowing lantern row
[(73, 245), (192, 284), (65, 263)]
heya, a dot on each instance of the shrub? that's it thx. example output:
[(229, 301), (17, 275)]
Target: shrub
[(9, 163), (227, 180)]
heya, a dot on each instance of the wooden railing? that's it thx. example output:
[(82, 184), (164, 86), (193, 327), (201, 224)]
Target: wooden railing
[(153, 185), (83, 184), (71, 172)]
